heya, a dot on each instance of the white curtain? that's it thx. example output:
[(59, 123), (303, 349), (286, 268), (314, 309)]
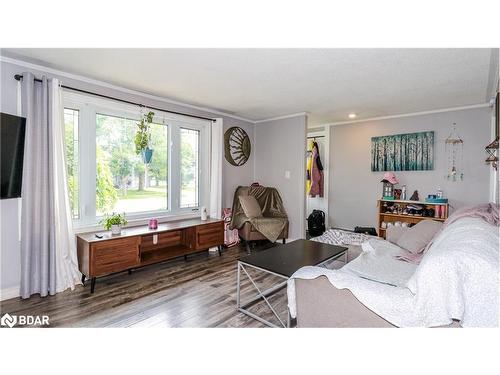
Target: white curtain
[(217, 149), (67, 273), (48, 251)]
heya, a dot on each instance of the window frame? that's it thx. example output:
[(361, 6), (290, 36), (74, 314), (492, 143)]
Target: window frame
[(88, 107), (199, 169), (79, 214)]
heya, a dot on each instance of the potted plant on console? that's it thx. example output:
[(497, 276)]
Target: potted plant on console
[(143, 137), (114, 222)]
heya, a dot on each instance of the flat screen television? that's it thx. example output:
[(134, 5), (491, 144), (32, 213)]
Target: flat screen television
[(12, 132)]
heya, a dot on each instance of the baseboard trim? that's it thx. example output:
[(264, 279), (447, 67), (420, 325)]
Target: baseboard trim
[(8, 293)]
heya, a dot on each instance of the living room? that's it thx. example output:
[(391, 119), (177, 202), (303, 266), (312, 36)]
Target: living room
[(175, 186)]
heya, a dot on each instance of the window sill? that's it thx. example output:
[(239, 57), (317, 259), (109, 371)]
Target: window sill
[(138, 222)]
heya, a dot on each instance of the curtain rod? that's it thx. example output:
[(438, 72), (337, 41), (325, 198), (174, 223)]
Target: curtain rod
[(18, 77)]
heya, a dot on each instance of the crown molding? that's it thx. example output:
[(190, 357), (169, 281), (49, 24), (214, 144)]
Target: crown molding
[(96, 82), (281, 117), (451, 109)]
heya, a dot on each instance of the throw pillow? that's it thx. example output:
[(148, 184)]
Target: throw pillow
[(394, 233), (417, 237), (250, 206)]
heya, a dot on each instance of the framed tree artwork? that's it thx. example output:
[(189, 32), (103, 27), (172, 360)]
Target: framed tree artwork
[(403, 152)]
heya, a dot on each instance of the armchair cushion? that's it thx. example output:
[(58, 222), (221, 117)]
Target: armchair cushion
[(250, 206)]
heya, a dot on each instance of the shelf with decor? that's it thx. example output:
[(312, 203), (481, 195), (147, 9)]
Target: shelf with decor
[(403, 211)]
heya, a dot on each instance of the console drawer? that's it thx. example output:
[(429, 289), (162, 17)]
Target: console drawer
[(114, 255), (209, 235)]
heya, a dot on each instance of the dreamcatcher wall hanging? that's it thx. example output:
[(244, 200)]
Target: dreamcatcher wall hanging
[(454, 148)]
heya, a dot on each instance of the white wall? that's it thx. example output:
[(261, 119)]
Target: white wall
[(354, 188), (280, 146), (10, 249)]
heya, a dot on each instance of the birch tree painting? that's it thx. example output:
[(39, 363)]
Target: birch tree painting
[(403, 152)]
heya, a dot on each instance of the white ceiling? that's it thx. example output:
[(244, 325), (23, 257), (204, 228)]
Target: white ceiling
[(264, 83)]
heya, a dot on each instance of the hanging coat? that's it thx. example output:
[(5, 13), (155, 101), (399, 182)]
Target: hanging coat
[(318, 160), (317, 179), (309, 166)]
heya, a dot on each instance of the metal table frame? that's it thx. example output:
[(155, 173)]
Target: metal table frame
[(264, 294)]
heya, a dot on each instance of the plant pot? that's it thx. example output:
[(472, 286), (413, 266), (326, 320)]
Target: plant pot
[(116, 229), (147, 155)]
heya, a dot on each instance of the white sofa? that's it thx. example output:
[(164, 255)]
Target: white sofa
[(456, 284)]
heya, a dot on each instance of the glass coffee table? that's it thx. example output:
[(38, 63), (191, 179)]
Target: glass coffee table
[(282, 261)]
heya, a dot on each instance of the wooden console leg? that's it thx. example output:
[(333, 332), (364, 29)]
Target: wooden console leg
[(284, 241), (92, 285), (185, 257), (83, 279), (219, 248)]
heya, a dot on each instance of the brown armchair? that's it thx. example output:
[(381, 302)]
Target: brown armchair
[(272, 226)]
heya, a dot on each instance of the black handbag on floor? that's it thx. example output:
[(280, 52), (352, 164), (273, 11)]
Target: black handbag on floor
[(366, 230), (316, 223)]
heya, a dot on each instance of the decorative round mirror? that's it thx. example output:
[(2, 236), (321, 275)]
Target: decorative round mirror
[(237, 146)]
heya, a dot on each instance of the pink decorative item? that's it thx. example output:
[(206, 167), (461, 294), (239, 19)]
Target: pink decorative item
[(153, 224), (437, 212), (390, 177), (231, 236)]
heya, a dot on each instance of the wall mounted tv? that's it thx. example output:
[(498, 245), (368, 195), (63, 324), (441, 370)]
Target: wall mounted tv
[(12, 131)]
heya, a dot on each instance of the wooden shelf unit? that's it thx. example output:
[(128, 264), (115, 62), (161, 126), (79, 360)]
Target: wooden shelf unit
[(405, 218), (138, 247)]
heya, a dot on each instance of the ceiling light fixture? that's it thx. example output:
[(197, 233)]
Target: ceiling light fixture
[(352, 115)]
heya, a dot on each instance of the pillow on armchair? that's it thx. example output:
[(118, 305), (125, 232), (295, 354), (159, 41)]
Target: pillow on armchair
[(250, 206)]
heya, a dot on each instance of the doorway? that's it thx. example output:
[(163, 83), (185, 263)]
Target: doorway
[(321, 137)]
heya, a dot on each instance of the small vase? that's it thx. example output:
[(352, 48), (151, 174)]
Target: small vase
[(116, 229)]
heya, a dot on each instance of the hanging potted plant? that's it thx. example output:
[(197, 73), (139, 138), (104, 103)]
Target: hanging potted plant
[(143, 137), (114, 222)]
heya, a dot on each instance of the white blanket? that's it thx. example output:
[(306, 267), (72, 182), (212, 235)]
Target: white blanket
[(458, 278), (377, 262)]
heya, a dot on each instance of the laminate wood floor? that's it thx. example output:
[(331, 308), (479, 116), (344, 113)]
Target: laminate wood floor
[(199, 292)]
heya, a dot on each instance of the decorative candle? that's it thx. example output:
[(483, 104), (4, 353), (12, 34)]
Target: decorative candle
[(153, 224)]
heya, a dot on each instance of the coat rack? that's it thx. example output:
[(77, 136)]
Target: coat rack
[(314, 139)]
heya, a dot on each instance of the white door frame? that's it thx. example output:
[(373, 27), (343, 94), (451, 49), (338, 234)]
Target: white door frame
[(326, 165)]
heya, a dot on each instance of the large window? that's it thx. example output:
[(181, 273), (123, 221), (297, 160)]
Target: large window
[(124, 182), (106, 174)]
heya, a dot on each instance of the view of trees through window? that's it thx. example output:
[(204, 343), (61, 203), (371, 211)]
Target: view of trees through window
[(124, 182), (71, 117), (189, 167)]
